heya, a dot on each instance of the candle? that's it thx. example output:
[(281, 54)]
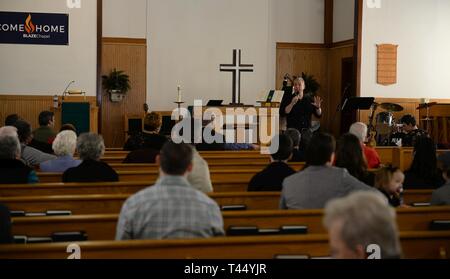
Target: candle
[(179, 94)]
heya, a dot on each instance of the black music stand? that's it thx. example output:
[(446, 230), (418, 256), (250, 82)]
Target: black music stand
[(357, 103)]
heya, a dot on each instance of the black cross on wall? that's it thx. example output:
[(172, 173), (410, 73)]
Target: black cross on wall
[(236, 69)]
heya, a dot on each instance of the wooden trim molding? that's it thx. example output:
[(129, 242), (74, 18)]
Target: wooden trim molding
[(128, 41), (345, 43), (300, 46)]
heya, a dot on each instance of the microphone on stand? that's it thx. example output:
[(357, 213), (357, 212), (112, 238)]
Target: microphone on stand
[(64, 92)]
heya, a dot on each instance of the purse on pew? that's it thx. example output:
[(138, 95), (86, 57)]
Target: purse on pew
[(440, 225)]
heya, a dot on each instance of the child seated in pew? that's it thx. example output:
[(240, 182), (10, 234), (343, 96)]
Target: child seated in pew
[(441, 196), (389, 181), (271, 178)]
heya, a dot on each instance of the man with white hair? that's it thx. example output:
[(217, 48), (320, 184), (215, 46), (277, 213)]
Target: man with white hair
[(361, 225), (12, 169), (359, 129)]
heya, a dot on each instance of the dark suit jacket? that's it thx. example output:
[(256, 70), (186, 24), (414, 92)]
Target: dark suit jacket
[(5, 225), (298, 155), (91, 171), (14, 172), (271, 178), (141, 156)]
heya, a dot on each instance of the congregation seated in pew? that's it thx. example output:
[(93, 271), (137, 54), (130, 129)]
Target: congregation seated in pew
[(12, 169), (349, 155), (44, 135), (319, 182), (441, 196), (30, 155), (91, 148), (423, 173), (359, 129), (64, 147), (359, 220), (271, 178), (171, 208), (145, 146)]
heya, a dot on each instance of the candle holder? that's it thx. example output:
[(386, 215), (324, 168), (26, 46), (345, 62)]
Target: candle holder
[(179, 103)]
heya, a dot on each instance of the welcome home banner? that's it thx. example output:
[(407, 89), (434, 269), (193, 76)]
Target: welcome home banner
[(34, 28)]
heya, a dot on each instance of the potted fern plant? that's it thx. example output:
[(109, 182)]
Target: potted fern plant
[(117, 84)]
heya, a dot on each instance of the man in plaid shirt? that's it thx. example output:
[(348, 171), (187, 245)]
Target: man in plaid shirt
[(171, 208)]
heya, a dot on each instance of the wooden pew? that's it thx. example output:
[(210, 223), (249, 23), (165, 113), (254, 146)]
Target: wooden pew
[(423, 245), (103, 226), (59, 188), (151, 175), (257, 166), (112, 203)]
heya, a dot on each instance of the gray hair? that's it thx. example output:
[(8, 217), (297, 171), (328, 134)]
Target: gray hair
[(295, 136), (65, 143), (9, 146), (90, 146), (359, 129), (366, 219), (8, 131)]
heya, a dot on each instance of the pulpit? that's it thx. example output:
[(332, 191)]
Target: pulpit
[(77, 111), (435, 119)]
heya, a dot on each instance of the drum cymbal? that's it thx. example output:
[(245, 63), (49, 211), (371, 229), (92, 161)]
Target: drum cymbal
[(391, 107)]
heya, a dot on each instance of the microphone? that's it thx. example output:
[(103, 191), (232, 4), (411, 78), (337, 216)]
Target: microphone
[(64, 92)]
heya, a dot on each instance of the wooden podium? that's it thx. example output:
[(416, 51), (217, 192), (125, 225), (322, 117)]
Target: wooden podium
[(91, 111), (435, 119)]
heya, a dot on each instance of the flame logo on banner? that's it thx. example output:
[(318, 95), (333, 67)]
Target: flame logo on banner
[(29, 26)]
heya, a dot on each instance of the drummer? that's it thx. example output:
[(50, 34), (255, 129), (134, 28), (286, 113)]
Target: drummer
[(410, 130)]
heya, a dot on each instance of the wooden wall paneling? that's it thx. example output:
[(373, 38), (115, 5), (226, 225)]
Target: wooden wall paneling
[(129, 55), (28, 107)]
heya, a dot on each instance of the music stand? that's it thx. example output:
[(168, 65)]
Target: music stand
[(357, 103)]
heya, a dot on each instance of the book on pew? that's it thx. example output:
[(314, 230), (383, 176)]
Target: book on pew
[(20, 239), (293, 230), (242, 231), (69, 236), (234, 207), (421, 204), (17, 213), (268, 231), (36, 239), (58, 212), (35, 214), (440, 225)]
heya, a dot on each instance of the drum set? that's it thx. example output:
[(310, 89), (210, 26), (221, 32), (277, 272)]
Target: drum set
[(386, 130)]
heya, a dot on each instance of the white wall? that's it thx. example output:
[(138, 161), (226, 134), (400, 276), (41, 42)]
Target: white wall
[(125, 19), (343, 20), (44, 69), (188, 39), (421, 28)]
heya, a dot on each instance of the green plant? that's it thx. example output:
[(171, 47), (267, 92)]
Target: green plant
[(311, 84), (116, 81)]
